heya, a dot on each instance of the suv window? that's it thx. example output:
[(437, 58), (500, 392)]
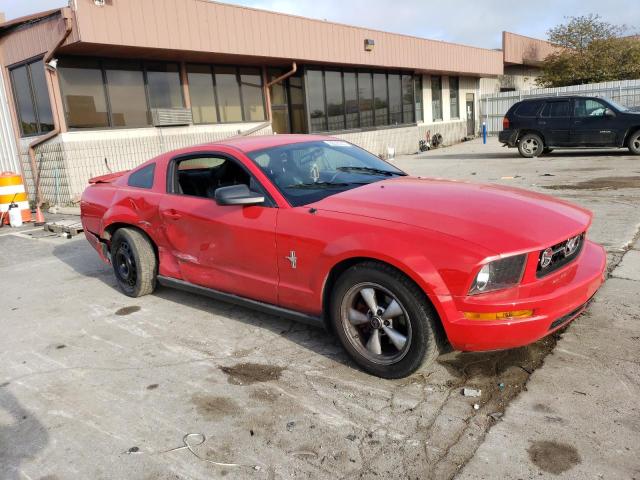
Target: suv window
[(142, 178), (588, 107), (557, 109), (528, 109)]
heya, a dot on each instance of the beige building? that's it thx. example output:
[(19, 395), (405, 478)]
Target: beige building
[(104, 85)]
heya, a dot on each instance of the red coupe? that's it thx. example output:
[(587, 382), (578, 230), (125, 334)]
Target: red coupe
[(316, 229)]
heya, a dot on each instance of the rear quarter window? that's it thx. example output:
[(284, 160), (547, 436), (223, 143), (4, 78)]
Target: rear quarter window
[(142, 178), (528, 109)]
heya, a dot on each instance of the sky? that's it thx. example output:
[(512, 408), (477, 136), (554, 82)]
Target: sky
[(478, 23)]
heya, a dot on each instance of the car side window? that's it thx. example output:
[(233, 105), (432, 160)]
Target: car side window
[(528, 109), (588, 107), (557, 109), (142, 178), (201, 176)]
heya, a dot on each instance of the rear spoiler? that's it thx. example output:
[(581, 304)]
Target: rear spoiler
[(108, 178)]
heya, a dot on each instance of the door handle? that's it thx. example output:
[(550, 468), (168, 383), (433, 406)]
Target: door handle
[(172, 214), (577, 122), (542, 123)]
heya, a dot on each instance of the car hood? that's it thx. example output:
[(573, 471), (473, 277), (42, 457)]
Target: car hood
[(498, 218)]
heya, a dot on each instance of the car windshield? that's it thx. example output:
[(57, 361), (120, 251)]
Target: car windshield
[(310, 171), (617, 106)]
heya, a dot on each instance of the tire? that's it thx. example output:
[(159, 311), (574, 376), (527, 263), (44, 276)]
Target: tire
[(634, 143), (547, 151), (412, 317), (530, 145), (134, 262)]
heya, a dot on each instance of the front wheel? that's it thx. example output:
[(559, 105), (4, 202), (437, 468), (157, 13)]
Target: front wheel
[(530, 145), (383, 320), (134, 262), (634, 143)]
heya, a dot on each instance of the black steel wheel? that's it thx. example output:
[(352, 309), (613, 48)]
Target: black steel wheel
[(134, 262)]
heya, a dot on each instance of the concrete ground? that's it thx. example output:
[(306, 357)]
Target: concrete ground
[(94, 384)]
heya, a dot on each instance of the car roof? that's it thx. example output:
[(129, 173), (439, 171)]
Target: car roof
[(558, 97), (259, 142)]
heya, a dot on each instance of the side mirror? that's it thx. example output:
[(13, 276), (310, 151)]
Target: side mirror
[(609, 113), (237, 195)]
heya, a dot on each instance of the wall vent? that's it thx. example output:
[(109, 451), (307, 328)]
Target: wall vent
[(164, 117)]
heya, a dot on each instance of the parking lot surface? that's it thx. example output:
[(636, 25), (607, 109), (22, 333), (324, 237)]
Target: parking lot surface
[(94, 384)]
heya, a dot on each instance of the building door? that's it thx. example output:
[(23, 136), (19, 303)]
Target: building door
[(471, 114), (279, 104)]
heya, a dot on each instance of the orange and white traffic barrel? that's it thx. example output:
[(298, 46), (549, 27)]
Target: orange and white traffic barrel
[(12, 190)]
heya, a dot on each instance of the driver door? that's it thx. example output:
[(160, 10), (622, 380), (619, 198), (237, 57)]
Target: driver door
[(229, 248), (590, 126)]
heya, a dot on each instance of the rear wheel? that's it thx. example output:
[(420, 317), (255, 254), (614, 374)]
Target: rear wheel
[(530, 145), (634, 142), (134, 262), (383, 320)]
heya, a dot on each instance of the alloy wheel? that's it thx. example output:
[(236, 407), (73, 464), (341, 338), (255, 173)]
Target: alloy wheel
[(530, 146), (376, 323)]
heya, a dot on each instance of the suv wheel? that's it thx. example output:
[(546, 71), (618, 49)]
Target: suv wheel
[(383, 320), (530, 145), (134, 262), (634, 142)]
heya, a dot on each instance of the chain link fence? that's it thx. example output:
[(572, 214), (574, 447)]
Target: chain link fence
[(493, 107), (66, 163)]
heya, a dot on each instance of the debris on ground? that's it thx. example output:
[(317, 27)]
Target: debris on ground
[(471, 392), (496, 415), (476, 406), (351, 437), (291, 426)]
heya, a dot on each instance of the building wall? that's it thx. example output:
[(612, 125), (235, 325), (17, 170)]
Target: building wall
[(67, 162), (8, 151), (517, 77)]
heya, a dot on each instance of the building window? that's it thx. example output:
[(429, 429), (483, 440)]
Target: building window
[(408, 115), (436, 97), (32, 98), (315, 92), (335, 100), (126, 93), (454, 95), (83, 93), (395, 99), (202, 94), (165, 88), (228, 91), (365, 99), (417, 93), (348, 99), (380, 99), (251, 90)]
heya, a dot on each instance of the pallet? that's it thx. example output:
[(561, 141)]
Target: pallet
[(69, 227)]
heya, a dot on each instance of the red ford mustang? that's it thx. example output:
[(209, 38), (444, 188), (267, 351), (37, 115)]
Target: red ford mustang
[(319, 230)]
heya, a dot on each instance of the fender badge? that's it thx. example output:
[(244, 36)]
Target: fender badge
[(292, 258)]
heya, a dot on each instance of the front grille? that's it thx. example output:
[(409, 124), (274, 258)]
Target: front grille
[(560, 254)]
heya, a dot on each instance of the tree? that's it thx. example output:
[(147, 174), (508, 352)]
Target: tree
[(589, 50)]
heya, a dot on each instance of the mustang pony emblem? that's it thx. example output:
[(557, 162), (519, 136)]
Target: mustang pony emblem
[(292, 258)]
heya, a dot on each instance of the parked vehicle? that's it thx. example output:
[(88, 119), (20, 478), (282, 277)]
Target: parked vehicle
[(538, 125), (318, 230)]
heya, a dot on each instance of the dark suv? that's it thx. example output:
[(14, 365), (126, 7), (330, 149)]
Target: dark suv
[(538, 125)]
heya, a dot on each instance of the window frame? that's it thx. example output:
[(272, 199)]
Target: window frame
[(457, 97), (27, 64), (433, 117), (172, 178), (548, 103)]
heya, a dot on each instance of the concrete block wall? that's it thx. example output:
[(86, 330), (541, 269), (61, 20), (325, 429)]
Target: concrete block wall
[(67, 162)]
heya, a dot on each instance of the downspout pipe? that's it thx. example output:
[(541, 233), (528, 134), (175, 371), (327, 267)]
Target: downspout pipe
[(284, 76), (51, 75)]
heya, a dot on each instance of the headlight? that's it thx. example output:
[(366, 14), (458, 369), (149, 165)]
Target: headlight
[(499, 274)]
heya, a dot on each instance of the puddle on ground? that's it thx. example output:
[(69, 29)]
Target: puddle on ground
[(602, 183), (213, 407), (248, 373), (553, 457), (127, 310)]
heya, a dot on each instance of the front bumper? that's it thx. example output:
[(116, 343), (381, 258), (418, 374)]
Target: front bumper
[(508, 137), (555, 300)]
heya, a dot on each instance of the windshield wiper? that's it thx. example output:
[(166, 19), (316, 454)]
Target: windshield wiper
[(370, 171), (319, 185)]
